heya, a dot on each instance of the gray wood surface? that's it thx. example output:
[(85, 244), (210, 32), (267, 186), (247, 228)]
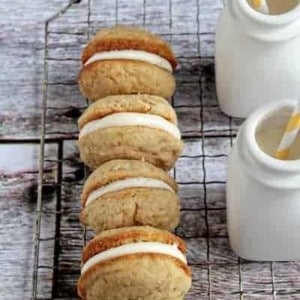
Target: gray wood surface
[(189, 26)]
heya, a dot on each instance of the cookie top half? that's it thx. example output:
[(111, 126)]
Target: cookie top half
[(129, 235), (140, 103), (116, 170), (128, 38)]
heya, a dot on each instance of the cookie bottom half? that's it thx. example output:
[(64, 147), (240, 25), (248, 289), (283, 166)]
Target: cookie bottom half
[(133, 206), (118, 77), (140, 143)]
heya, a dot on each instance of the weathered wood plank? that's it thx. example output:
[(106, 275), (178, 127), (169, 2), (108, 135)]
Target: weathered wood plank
[(18, 191), (224, 281), (21, 53), (220, 251), (250, 281), (200, 283), (184, 17), (287, 276)]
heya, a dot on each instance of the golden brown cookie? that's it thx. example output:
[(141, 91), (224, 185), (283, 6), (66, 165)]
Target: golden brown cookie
[(127, 60), (134, 263), (128, 37), (127, 193), (139, 127), (114, 77)]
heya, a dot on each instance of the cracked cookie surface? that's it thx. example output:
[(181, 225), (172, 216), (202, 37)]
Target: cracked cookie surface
[(129, 206)]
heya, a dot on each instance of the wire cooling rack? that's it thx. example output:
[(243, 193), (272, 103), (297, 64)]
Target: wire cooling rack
[(200, 172)]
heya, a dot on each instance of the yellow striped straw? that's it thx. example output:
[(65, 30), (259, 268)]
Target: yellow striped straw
[(290, 134), (261, 6)]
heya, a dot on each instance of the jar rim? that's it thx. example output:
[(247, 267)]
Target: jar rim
[(250, 134), (271, 20)]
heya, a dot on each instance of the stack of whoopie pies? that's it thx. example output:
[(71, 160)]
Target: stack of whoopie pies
[(129, 137)]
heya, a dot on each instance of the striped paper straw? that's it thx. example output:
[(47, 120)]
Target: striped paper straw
[(290, 134), (261, 6)]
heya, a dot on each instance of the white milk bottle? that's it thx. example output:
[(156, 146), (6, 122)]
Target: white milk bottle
[(257, 55), (262, 192)]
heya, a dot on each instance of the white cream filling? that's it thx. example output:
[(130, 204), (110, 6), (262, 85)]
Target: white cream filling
[(127, 183), (131, 119), (148, 57), (141, 247)]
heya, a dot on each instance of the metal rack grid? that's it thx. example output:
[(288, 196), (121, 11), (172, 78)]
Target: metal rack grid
[(209, 287)]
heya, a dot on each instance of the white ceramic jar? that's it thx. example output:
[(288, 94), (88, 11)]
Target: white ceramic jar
[(257, 57), (263, 193)]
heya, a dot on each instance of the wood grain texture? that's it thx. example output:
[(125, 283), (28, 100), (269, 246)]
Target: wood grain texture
[(201, 171), (18, 191)]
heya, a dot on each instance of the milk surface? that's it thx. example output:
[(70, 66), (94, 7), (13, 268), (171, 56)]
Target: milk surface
[(270, 131), (277, 7)]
